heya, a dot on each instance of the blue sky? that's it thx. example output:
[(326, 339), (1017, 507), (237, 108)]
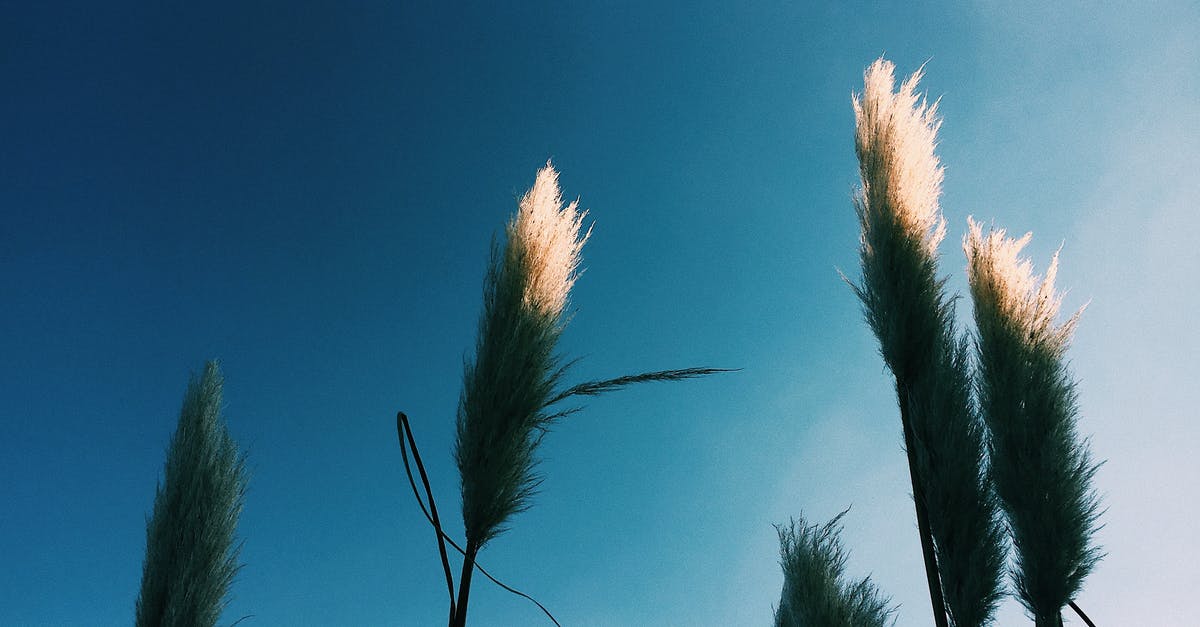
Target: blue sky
[(308, 194)]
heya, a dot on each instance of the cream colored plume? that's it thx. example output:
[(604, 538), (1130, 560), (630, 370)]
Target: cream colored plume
[(896, 134), (1003, 280), (549, 235)]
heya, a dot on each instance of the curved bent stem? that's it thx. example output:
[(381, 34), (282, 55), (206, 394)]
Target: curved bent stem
[(404, 427)]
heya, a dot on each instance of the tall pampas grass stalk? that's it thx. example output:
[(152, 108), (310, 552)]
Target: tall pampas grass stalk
[(191, 556), (1041, 469), (505, 391), (513, 386), (906, 305), (516, 370), (815, 590)]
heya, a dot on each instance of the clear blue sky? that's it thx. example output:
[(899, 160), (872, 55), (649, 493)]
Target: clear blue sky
[(308, 194)]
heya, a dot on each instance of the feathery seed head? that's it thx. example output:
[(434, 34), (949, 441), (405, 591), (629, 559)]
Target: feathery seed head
[(191, 554), (1004, 285), (896, 133), (815, 589), (508, 386), (1041, 470), (548, 234)]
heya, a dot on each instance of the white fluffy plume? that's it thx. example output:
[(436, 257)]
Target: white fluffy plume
[(549, 233), (896, 134), (1003, 280)]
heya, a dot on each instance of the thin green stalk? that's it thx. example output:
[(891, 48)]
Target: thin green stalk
[(464, 587), (1078, 611), (932, 578)]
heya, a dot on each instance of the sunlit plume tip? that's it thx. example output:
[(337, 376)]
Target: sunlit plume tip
[(896, 134), (1005, 280), (549, 235)]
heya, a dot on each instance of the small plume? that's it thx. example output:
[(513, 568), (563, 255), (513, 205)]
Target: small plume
[(549, 235), (1003, 280), (815, 588)]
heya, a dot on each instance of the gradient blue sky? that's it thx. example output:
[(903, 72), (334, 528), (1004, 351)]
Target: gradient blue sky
[(308, 194)]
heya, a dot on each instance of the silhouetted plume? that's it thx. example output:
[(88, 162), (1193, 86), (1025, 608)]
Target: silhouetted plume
[(191, 557), (815, 592), (1042, 471), (514, 380), (515, 372)]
